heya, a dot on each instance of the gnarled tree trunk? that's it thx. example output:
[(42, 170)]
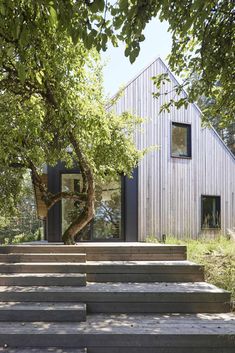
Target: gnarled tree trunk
[(87, 196), (84, 217), (89, 187)]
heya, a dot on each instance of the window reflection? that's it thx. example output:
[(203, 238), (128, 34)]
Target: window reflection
[(106, 224), (210, 212), (181, 140)]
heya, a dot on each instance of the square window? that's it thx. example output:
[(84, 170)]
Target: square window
[(181, 140), (210, 212)]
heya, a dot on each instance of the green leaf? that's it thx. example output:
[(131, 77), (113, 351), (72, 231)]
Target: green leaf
[(10, 51), (123, 4), (24, 36), (21, 72), (53, 16), (2, 8), (38, 77)]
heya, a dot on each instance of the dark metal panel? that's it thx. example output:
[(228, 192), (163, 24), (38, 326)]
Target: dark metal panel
[(54, 213), (131, 207)]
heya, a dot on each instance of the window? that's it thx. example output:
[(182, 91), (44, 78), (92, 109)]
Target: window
[(106, 224), (210, 212), (181, 140)]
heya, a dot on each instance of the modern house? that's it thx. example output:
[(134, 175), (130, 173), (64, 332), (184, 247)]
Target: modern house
[(185, 188)]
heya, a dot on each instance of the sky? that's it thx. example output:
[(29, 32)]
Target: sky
[(118, 70)]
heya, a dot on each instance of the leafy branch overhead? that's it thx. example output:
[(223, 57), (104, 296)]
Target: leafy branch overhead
[(52, 108), (203, 34)]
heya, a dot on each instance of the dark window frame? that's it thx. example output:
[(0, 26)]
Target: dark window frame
[(189, 140), (218, 197)]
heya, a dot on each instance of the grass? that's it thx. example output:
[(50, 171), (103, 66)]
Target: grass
[(217, 255)]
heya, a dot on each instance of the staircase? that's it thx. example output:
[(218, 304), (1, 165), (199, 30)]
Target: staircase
[(110, 298)]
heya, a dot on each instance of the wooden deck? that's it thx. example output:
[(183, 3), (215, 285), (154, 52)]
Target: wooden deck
[(105, 251), (110, 298)]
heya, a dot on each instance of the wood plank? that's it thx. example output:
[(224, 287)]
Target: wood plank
[(45, 311), (43, 279), (34, 257), (201, 330)]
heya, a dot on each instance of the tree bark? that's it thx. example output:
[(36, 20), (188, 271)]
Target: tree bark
[(88, 211)]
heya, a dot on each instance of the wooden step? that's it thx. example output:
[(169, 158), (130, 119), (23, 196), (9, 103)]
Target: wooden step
[(129, 297), (144, 271), (206, 332), (107, 251), (117, 271), (43, 350), (43, 279), (44, 311), (161, 350), (31, 257)]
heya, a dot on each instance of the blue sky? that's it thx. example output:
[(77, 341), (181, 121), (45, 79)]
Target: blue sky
[(119, 71)]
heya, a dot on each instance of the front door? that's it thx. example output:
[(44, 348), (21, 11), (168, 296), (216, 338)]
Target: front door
[(107, 223)]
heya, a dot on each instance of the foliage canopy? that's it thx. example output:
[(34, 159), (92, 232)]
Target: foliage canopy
[(52, 108), (203, 35)]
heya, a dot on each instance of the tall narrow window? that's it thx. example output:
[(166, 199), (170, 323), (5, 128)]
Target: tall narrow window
[(181, 140), (210, 212)]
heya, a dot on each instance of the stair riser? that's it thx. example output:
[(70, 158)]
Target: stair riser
[(143, 278), (45, 282), (136, 257), (150, 308), (122, 350), (95, 251), (42, 268), (11, 258), (92, 257), (43, 350), (95, 341), (161, 350), (45, 315)]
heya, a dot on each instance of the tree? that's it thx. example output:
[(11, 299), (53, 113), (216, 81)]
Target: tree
[(50, 84), (22, 222), (203, 34), (52, 108), (227, 131)]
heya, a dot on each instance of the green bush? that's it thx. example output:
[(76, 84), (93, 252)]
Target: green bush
[(21, 238)]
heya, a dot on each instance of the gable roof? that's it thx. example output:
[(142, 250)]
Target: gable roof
[(173, 78)]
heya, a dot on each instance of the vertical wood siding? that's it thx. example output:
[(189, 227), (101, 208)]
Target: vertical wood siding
[(170, 189)]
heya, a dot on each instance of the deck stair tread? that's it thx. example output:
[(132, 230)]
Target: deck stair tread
[(123, 288), (177, 263), (157, 324), (128, 297), (90, 245)]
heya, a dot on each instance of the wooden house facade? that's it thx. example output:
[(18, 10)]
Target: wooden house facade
[(185, 187), (178, 193)]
